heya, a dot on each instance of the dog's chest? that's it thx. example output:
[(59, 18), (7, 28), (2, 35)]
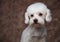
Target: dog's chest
[(36, 35), (36, 32)]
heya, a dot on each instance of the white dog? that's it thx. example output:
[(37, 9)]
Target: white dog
[(35, 17)]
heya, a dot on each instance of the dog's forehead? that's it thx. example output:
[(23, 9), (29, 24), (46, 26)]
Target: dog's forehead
[(37, 7)]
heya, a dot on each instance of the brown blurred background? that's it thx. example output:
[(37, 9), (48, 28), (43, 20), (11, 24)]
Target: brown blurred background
[(12, 19)]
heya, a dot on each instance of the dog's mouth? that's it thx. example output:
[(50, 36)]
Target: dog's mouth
[(36, 25)]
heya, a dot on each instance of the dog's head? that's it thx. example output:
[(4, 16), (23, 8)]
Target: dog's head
[(37, 13)]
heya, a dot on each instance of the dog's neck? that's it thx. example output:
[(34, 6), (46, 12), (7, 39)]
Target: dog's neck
[(37, 27)]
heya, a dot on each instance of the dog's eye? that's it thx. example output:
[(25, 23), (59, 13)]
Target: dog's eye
[(31, 15), (40, 14)]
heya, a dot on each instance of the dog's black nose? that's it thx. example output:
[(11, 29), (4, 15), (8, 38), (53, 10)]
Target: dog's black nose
[(35, 20)]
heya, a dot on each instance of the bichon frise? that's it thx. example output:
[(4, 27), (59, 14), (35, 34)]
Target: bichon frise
[(35, 17)]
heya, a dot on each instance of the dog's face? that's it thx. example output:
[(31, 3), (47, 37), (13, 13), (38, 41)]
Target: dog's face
[(36, 18), (37, 13)]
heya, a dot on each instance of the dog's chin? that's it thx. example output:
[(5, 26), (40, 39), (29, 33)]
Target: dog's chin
[(37, 25)]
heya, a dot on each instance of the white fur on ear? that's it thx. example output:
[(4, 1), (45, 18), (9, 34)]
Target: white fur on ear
[(26, 18), (48, 16)]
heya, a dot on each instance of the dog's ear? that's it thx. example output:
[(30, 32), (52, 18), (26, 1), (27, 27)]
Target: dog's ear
[(26, 18), (48, 16)]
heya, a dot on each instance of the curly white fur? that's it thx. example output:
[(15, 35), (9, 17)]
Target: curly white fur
[(35, 9), (36, 13)]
